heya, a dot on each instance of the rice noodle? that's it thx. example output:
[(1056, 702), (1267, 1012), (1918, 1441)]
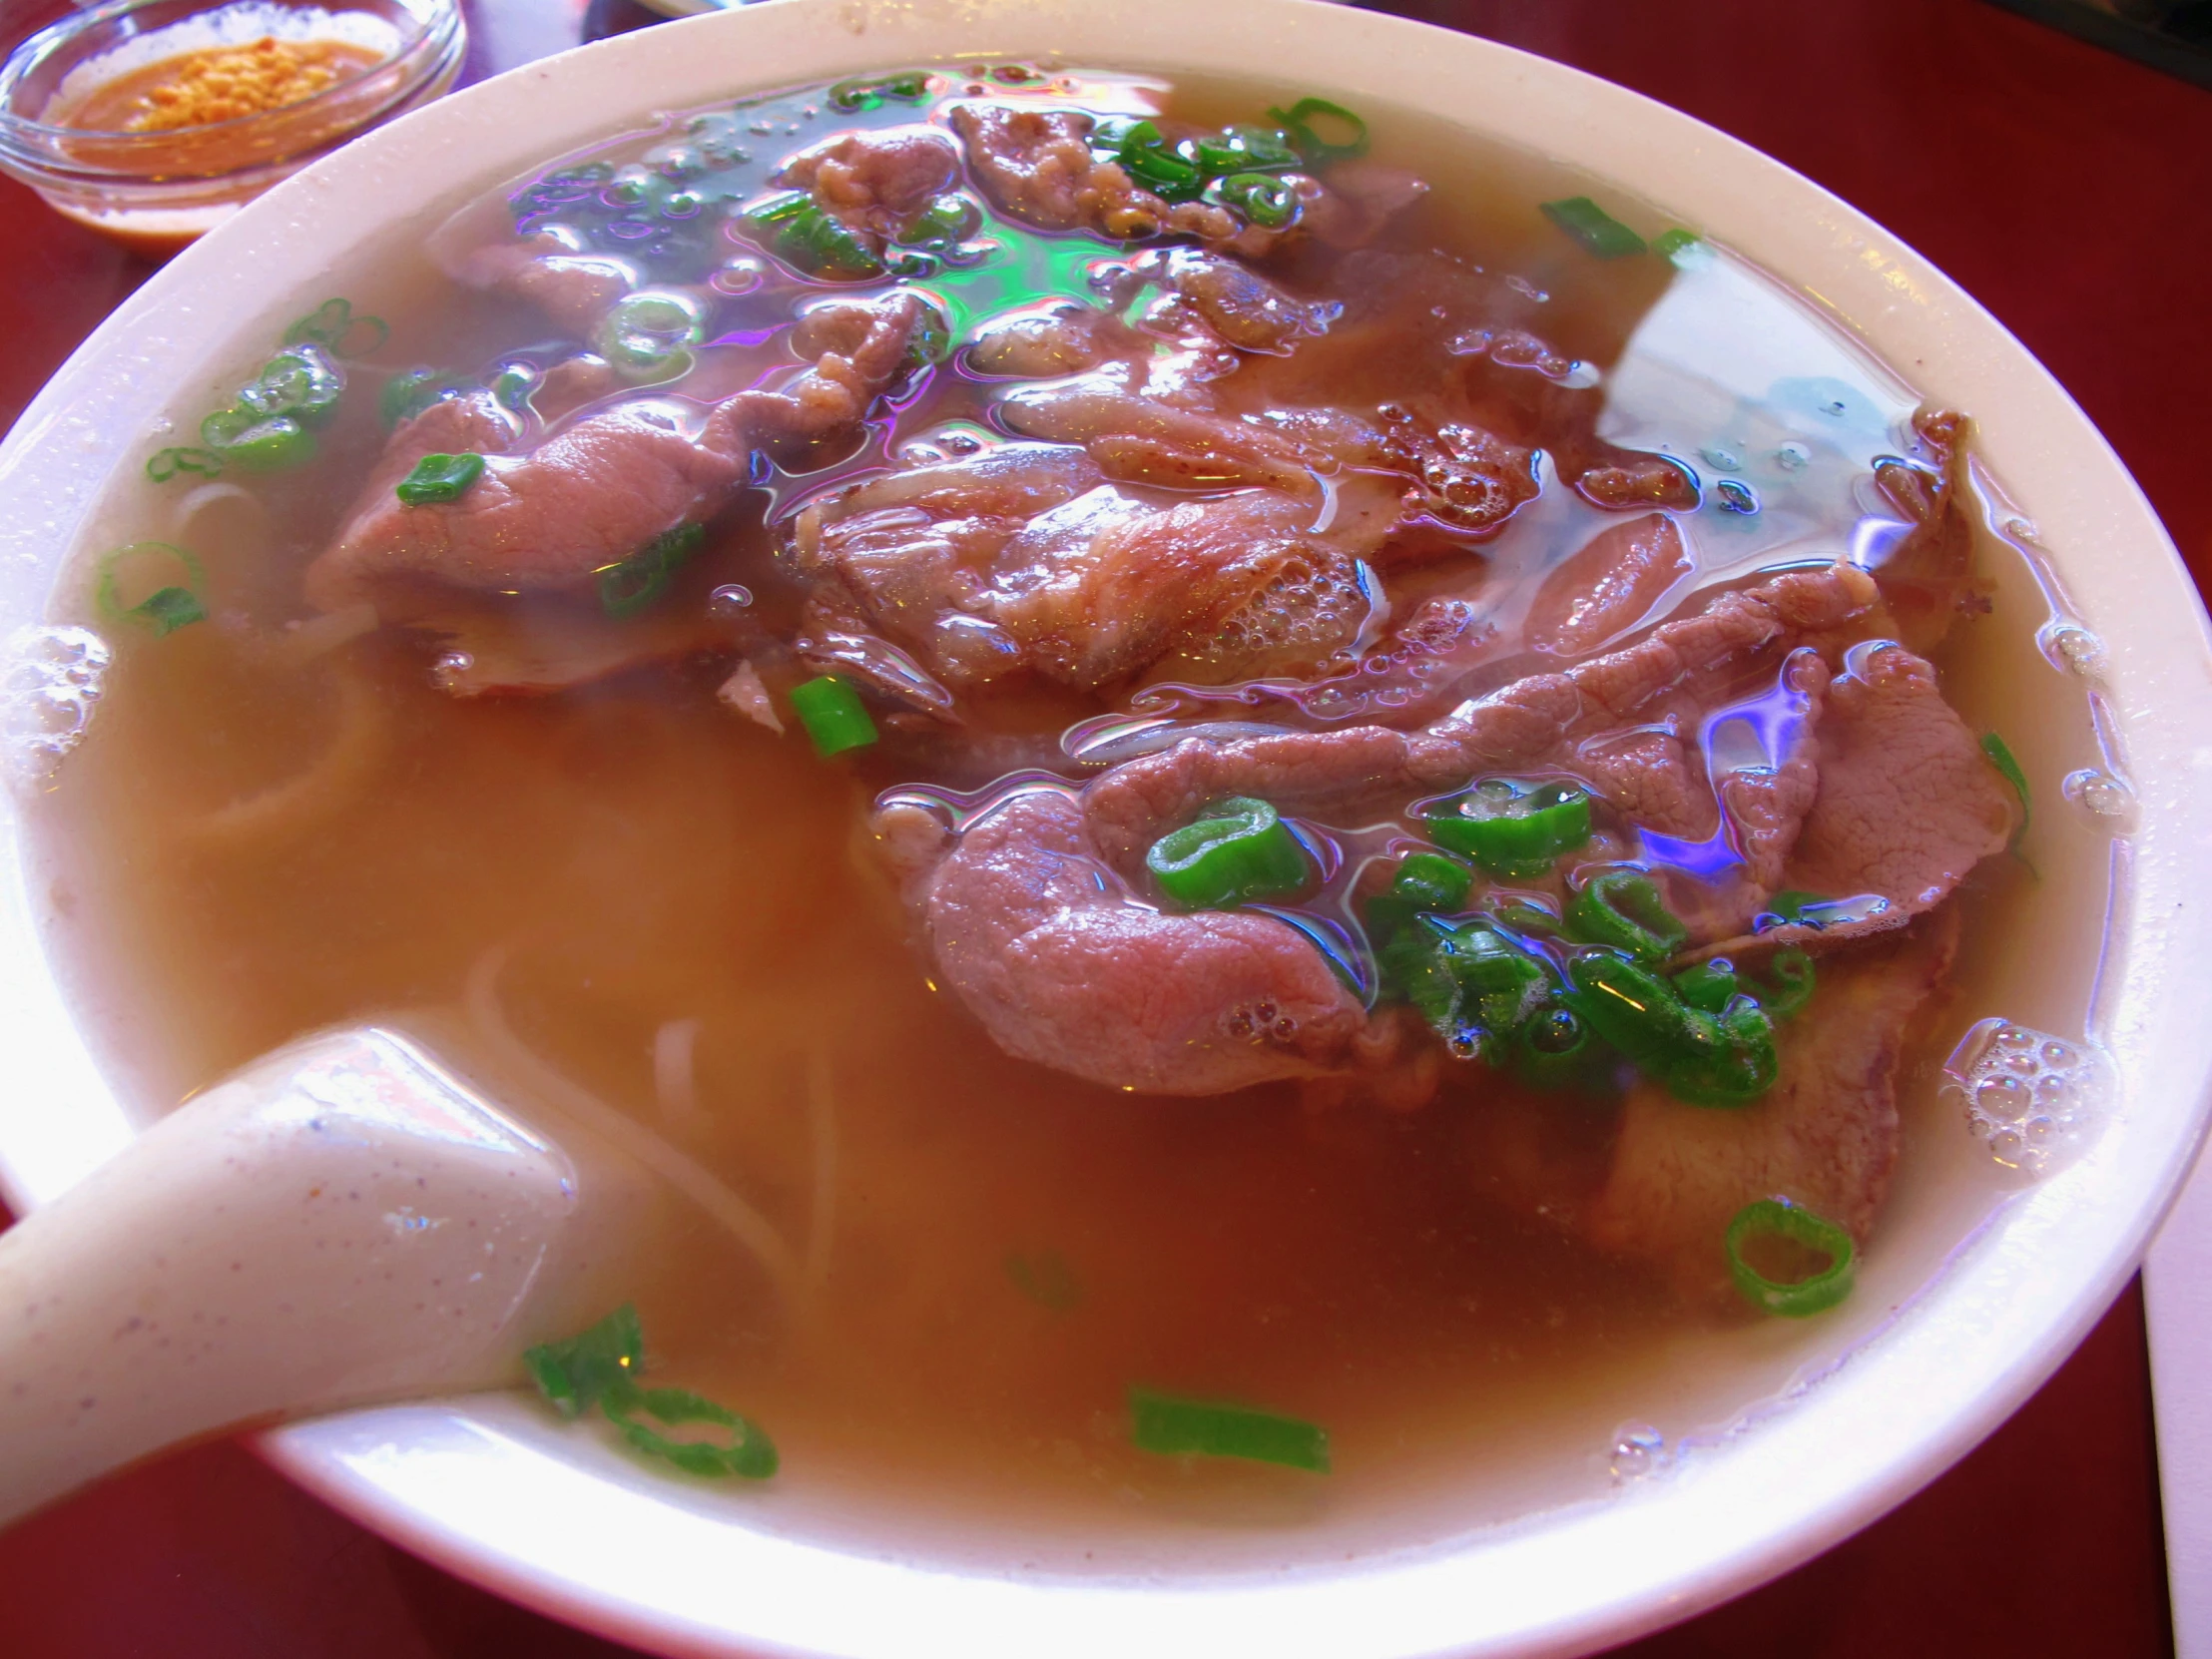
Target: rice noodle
[(822, 1121), (676, 1075), (303, 642), (335, 778), (480, 1000), (200, 497)]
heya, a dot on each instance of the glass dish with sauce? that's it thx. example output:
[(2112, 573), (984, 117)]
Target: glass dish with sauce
[(153, 120)]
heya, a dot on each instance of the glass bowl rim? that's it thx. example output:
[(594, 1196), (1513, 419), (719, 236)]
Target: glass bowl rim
[(438, 25)]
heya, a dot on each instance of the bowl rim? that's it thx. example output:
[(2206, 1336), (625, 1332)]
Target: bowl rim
[(467, 1483)]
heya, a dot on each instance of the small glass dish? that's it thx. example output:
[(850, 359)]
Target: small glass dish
[(158, 190)]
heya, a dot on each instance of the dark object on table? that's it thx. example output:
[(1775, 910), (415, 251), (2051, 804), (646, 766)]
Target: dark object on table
[(603, 18), (2173, 35)]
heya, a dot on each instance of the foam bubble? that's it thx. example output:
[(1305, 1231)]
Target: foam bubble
[(2072, 648), (50, 680), (2031, 1097), (2098, 792), (1638, 1449)]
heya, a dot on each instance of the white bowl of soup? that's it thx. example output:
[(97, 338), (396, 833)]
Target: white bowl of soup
[(1416, 838)]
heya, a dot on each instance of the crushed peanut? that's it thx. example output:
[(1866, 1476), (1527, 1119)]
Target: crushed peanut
[(221, 83)]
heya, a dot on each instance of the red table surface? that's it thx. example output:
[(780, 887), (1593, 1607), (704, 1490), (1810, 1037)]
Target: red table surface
[(2071, 192)]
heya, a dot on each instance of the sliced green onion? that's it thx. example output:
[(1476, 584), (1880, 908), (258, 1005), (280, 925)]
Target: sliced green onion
[(299, 381), (576, 1374), (1725, 1059), (1480, 990), (867, 92), (1245, 149), (332, 324), (834, 714), (1240, 851), (259, 444), (439, 478), (1732, 1060), (1794, 981), (600, 1367), (1622, 908), (1316, 148), (627, 588), (1433, 883), (1631, 1007), (943, 220), (1553, 1047), (165, 609), (750, 1455), (1218, 157), (326, 323), (1177, 1428), (1434, 880), (1525, 915), (651, 332), (1045, 1279), (932, 340), (1711, 985), (1107, 132), (1794, 1298), (1795, 904), (1146, 155), (1501, 985), (1511, 826), (1262, 199), (1167, 175), (407, 394), (1678, 245), (1413, 964), (1594, 227), (1817, 912), (365, 338), (810, 241), (510, 384), (2000, 757), (165, 464)]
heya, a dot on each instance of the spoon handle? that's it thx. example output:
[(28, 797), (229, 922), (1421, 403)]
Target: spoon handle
[(342, 1222)]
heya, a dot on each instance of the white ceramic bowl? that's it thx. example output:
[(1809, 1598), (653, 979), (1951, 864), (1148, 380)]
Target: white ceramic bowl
[(1942, 1343)]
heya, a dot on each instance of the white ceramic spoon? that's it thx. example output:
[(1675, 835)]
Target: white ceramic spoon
[(341, 1222)]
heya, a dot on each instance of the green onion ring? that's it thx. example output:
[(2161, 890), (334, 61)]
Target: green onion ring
[(1794, 982), (1513, 827), (1297, 121), (1177, 1428), (439, 478), (629, 587), (750, 1455), (1237, 851), (1622, 908), (2000, 757), (167, 608), (834, 714), (1806, 1297), (165, 464), (334, 325)]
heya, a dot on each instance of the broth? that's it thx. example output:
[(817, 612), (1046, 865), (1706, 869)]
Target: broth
[(689, 919)]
